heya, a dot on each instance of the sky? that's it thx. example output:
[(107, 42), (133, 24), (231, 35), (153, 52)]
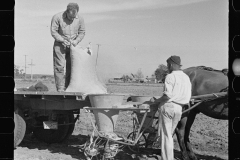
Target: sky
[(133, 34)]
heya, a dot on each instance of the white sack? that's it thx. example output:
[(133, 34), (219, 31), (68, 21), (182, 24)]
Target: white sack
[(83, 73)]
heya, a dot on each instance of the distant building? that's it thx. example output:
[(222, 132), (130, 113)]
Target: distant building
[(151, 80)]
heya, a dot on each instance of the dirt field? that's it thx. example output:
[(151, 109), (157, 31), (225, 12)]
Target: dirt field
[(209, 137)]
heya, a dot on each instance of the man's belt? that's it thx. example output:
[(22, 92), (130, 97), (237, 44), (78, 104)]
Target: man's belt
[(180, 103)]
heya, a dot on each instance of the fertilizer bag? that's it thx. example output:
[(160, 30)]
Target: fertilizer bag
[(83, 72)]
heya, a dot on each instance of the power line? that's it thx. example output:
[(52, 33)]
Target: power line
[(31, 68), (97, 53), (25, 67)]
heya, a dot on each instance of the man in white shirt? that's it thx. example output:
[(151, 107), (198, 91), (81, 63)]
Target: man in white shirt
[(177, 93)]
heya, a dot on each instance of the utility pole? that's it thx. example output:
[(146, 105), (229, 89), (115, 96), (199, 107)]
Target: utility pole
[(31, 68), (25, 68), (97, 53)]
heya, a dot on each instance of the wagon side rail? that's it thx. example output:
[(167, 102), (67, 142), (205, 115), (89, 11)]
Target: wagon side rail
[(212, 95)]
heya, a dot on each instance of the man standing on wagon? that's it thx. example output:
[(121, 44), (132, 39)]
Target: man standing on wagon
[(177, 93), (67, 28)]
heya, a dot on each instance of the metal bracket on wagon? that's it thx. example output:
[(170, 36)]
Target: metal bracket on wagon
[(81, 97)]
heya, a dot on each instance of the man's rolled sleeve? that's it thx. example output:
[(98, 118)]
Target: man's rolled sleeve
[(168, 86), (81, 31), (54, 29)]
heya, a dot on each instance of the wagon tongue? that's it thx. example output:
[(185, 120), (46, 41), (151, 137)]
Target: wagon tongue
[(83, 73)]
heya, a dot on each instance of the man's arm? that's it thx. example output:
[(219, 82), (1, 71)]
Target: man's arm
[(54, 29), (167, 94), (81, 31), (162, 100)]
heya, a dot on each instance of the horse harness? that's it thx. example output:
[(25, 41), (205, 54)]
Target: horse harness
[(224, 71)]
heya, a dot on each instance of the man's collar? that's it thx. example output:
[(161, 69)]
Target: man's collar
[(65, 15), (177, 70)]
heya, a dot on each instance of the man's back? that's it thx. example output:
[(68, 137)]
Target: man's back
[(178, 87)]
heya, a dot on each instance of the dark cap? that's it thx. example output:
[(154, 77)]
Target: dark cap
[(175, 59), (71, 6)]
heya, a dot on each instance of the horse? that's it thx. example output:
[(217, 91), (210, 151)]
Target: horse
[(204, 80)]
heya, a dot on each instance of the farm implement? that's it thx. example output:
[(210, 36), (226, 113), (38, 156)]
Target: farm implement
[(50, 116)]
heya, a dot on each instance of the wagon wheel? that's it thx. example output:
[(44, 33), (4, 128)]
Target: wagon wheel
[(51, 135), (142, 142), (71, 127), (20, 127)]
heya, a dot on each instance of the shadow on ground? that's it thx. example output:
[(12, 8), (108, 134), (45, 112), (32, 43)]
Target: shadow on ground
[(68, 147), (71, 147)]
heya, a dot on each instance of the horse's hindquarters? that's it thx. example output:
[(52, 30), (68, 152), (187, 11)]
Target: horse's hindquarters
[(217, 108)]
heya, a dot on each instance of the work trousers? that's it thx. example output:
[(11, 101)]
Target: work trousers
[(169, 116), (61, 59)]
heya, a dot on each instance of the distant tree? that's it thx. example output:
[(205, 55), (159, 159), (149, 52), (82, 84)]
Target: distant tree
[(153, 76), (133, 76), (139, 74), (43, 77), (18, 73), (123, 78), (127, 78), (16, 70), (161, 72), (21, 72)]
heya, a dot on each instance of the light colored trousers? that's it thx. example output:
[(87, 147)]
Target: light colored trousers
[(169, 116)]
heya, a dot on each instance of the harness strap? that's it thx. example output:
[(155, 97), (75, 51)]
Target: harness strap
[(224, 71)]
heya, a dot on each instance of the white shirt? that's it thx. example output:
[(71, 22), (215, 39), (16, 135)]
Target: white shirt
[(178, 87)]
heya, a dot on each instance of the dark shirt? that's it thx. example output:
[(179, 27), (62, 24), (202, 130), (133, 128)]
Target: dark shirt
[(63, 28)]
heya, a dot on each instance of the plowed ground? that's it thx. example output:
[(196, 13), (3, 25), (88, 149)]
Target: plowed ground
[(209, 137)]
